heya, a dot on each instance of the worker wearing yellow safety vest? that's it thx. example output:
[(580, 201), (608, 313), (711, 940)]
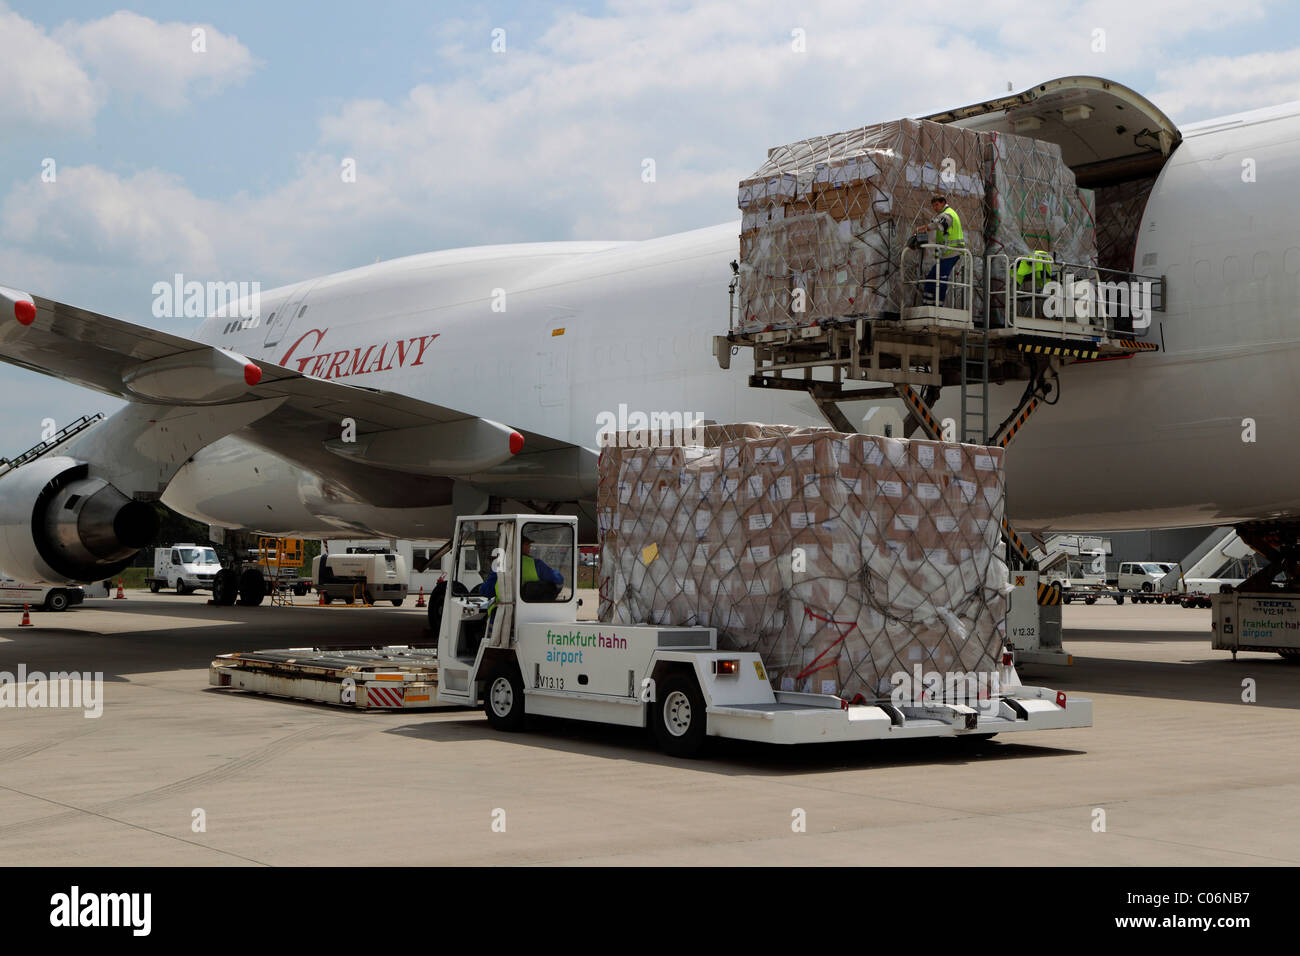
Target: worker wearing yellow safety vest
[(530, 569), (1037, 271), (946, 225)]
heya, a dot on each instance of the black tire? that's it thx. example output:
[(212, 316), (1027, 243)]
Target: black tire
[(1090, 600), (397, 602), (56, 601), (299, 590), (180, 587), (678, 718), (1119, 599), (1146, 586), (503, 698), (252, 588), (225, 587), (154, 587), (351, 600)]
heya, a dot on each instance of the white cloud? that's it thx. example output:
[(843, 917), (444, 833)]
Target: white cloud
[(41, 83), (1230, 84), (158, 62), (547, 140)]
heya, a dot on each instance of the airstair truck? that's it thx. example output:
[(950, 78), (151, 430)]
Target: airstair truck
[(520, 650)]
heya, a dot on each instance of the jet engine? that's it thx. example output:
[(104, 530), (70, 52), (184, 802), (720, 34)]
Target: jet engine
[(59, 525)]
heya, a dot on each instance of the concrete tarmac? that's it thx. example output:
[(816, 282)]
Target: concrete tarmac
[(1183, 771)]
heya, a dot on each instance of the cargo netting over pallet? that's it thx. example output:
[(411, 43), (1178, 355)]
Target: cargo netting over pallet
[(831, 215), (842, 559)]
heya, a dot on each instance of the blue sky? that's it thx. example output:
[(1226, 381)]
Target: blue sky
[(225, 165)]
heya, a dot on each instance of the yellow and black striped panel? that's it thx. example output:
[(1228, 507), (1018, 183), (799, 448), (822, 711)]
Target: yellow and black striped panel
[(922, 411), (1019, 422), (1014, 540), (1065, 351), (1135, 346), (1049, 595)]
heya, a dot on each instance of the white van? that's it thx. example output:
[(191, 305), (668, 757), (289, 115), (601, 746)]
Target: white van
[(368, 578), (183, 567), (1142, 575), (13, 591)]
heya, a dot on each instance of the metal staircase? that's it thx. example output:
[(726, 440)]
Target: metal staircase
[(44, 447)]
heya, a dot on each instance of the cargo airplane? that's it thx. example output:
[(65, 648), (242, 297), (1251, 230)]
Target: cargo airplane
[(387, 399)]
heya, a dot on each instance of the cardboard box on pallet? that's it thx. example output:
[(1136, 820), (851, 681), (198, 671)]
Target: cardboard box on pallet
[(827, 585), (868, 190)]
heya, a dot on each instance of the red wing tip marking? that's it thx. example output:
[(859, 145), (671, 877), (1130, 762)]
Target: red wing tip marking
[(516, 443), (25, 312), (252, 374)]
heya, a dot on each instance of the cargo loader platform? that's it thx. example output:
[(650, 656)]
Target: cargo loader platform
[(955, 332)]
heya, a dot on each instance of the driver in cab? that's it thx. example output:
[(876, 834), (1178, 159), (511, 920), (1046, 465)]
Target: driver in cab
[(533, 569)]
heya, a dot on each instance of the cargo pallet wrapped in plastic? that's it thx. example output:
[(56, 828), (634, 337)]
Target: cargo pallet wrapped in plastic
[(824, 221), (844, 560)]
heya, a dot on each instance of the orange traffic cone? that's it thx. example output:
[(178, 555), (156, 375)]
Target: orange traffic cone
[(121, 595), (419, 602), (321, 602), (27, 617)]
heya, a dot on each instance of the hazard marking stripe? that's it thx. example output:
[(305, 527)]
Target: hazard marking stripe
[(1019, 422), (1049, 595), (1057, 350), (1014, 539), (384, 696), (919, 407)]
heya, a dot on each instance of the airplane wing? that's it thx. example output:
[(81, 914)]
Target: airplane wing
[(362, 437)]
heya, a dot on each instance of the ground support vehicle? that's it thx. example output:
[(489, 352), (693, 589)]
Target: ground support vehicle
[(521, 652)]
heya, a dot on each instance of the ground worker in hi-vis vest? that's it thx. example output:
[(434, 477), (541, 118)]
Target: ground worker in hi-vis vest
[(1037, 271), (531, 569), (946, 225)]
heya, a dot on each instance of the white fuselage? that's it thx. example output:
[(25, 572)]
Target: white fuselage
[(546, 337)]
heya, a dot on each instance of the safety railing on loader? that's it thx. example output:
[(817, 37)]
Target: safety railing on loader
[(1037, 295), (935, 293)]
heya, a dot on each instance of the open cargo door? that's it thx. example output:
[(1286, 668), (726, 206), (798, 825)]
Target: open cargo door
[(1115, 140), (1108, 134)]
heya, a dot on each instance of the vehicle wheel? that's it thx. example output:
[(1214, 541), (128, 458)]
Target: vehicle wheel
[(56, 601), (180, 587), (1091, 600), (1146, 586), (154, 587), (252, 588), (1291, 656), (1119, 599), (225, 587), (329, 599), (351, 600), (503, 698), (299, 590), (397, 602), (678, 716)]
